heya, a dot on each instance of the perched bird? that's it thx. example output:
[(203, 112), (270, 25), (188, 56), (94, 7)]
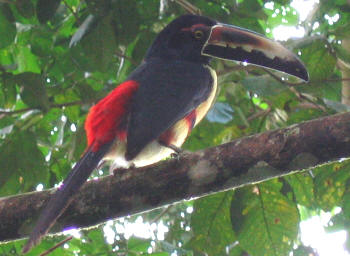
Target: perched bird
[(150, 115)]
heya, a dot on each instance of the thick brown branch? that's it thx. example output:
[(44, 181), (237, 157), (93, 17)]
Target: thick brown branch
[(227, 166)]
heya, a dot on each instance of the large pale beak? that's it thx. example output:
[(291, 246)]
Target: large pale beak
[(234, 43)]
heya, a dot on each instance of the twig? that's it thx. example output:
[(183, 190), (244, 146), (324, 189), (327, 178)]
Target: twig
[(72, 11), (165, 211), (259, 114), (189, 7), (16, 111), (61, 105), (120, 54), (293, 90), (280, 80), (56, 246), (67, 104)]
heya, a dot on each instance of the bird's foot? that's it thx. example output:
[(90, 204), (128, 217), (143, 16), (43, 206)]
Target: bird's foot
[(177, 151)]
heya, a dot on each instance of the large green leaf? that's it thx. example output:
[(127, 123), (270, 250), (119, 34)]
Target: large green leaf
[(211, 224), (318, 59), (303, 188), (100, 45), (7, 29), (9, 90), (264, 86), (22, 163), (26, 60), (33, 90), (266, 222), (329, 184)]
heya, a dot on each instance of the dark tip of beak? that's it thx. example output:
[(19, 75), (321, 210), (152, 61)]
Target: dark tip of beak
[(233, 43)]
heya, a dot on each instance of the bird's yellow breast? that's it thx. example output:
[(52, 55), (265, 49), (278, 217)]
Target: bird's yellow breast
[(204, 107)]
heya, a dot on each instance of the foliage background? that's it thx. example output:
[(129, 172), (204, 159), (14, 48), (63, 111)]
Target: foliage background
[(57, 58)]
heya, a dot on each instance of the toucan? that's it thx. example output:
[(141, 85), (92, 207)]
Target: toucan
[(149, 116)]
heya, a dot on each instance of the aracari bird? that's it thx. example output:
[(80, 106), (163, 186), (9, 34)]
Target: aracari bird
[(150, 115)]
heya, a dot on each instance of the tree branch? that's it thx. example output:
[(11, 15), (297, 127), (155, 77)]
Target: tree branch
[(235, 164), (189, 7), (60, 105)]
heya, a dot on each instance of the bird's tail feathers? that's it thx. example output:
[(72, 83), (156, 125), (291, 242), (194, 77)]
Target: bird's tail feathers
[(63, 196)]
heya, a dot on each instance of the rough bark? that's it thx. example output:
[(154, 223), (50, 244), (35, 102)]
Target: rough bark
[(240, 162)]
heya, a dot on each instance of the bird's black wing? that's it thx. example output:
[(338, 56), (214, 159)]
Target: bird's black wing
[(166, 94)]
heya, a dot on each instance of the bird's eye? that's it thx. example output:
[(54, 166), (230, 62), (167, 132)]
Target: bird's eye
[(198, 34)]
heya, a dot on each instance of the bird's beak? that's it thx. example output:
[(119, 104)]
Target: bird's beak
[(234, 43)]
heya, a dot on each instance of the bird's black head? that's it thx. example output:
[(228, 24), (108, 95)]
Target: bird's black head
[(197, 39), (183, 39)]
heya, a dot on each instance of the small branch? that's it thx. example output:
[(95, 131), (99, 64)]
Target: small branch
[(165, 211), (72, 11), (259, 114), (285, 82), (14, 112), (67, 104), (19, 111), (231, 165), (292, 89), (56, 246), (189, 7), (120, 54)]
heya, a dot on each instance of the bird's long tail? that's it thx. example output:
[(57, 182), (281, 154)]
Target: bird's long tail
[(63, 196)]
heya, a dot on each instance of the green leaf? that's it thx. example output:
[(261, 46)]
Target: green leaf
[(138, 245), (342, 53), (26, 60), (9, 91), (265, 221), (125, 29), (23, 165), (319, 60), (303, 188), (284, 16), (6, 57), (7, 30), (33, 91), (25, 8), (45, 9), (100, 45), (329, 183), (263, 85), (95, 243), (211, 224), (346, 203)]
